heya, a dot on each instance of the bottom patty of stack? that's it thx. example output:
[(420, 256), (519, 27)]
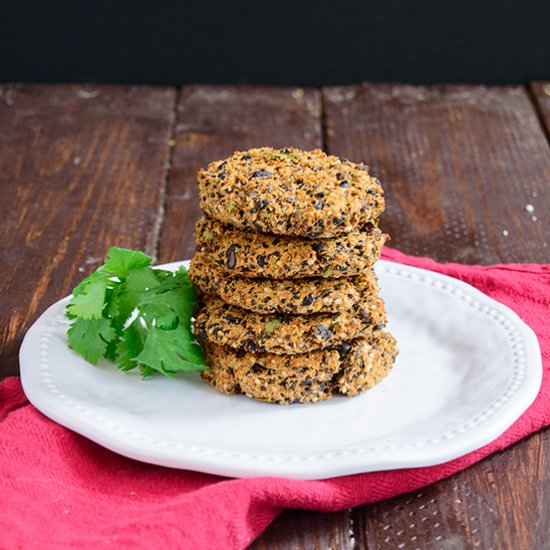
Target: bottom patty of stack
[(302, 378)]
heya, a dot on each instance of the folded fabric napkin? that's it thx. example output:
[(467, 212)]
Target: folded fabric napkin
[(59, 490)]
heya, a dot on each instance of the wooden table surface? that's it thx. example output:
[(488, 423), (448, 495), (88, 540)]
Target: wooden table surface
[(86, 167)]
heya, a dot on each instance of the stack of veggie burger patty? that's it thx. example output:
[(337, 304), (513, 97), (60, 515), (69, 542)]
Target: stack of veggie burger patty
[(289, 309)]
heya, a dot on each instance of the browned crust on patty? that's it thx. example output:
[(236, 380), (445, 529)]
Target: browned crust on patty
[(293, 296), (273, 378), (235, 327), (365, 365), (306, 378), (290, 192), (249, 254)]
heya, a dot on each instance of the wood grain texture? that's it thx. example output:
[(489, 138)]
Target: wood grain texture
[(541, 96), (500, 503), (214, 121), (465, 169), (86, 167), (298, 529), (459, 165), (81, 169), (211, 123)]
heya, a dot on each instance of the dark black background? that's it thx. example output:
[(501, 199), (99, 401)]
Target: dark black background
[(277, 42)]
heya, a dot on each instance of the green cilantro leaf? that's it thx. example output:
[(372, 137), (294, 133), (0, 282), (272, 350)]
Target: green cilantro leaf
[(89, 297), (131, 345), (137, 281), (120, 261), (89, 338), (207, 235), (169, 351), (144, 278), (271, 325), (136, 316), (176, 294)]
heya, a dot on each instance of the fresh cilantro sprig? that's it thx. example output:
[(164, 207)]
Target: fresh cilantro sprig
[(136, 316)]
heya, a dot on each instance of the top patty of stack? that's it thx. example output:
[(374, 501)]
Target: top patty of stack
[(290, 192)]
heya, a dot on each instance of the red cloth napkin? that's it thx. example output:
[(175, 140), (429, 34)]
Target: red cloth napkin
[(58, 489)]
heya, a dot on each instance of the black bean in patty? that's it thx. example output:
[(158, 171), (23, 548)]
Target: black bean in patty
[(323, 332), (231, 257), (262, 174)]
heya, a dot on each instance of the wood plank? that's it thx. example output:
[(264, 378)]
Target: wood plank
[(81, 168), (500, 503), (299, 529), (212, 122), (541, 95), (459, 165), (462, 167)]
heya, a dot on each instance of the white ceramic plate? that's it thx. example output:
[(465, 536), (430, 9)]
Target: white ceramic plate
[(468, 368)]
